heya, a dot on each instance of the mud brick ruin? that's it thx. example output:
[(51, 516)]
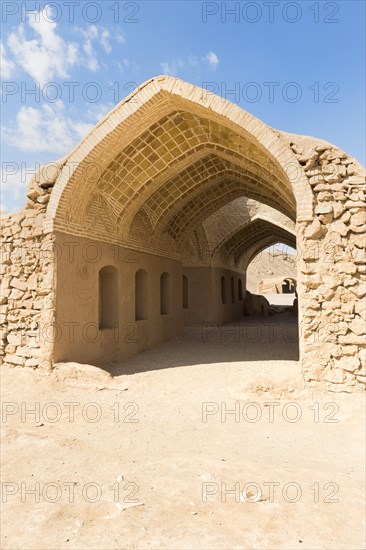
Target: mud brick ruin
[(152, 220)]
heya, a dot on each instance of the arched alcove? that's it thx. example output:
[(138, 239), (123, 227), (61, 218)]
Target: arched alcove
[(223, 290), (108, 297), (185, 292), (165, 294), (240, 290), (141, 295)]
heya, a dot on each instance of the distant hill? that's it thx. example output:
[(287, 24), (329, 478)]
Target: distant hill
[(270, 263)]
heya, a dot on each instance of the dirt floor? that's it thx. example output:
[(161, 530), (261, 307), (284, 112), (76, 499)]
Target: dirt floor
[(206, 442)]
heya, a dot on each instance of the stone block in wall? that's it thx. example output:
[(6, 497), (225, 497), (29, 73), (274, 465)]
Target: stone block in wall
[(31, 362), (360, 290), (315, 230), (25, 351), (336, 375), (352, 339), (349, 350), (349, 363), (15, 338), (17, 283), (16, 294), (14, 359), (358, 326), (313, 371)]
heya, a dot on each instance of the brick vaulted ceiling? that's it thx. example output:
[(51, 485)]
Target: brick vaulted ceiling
[(165, 160)]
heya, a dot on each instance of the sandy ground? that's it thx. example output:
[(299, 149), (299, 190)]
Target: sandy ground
[(159, 462)]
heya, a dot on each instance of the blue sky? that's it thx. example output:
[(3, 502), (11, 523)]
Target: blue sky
[(298, 66)]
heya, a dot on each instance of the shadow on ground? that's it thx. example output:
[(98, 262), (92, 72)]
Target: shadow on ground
[(273, 338)]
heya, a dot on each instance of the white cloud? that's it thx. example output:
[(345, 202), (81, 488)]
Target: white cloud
[(169, 69), (212, 59), (91, 32), (91, 60), (120, 38), (104, 40), (192, 60), (94, 34), (100, 34), (123, 64), (174, 66), (6, 65), (46, 129), (38, 49), (97, 112), (46, 55)]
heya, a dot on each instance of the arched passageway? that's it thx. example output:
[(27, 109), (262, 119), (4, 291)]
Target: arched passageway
[(178, 181)]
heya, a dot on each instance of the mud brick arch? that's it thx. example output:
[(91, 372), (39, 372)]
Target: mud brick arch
[(189, 181)]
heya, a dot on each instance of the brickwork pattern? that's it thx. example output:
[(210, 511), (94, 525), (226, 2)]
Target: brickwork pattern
[(178, 172)]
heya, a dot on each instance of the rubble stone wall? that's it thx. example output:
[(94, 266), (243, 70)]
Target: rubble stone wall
[(332, 269), (27, 282)]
